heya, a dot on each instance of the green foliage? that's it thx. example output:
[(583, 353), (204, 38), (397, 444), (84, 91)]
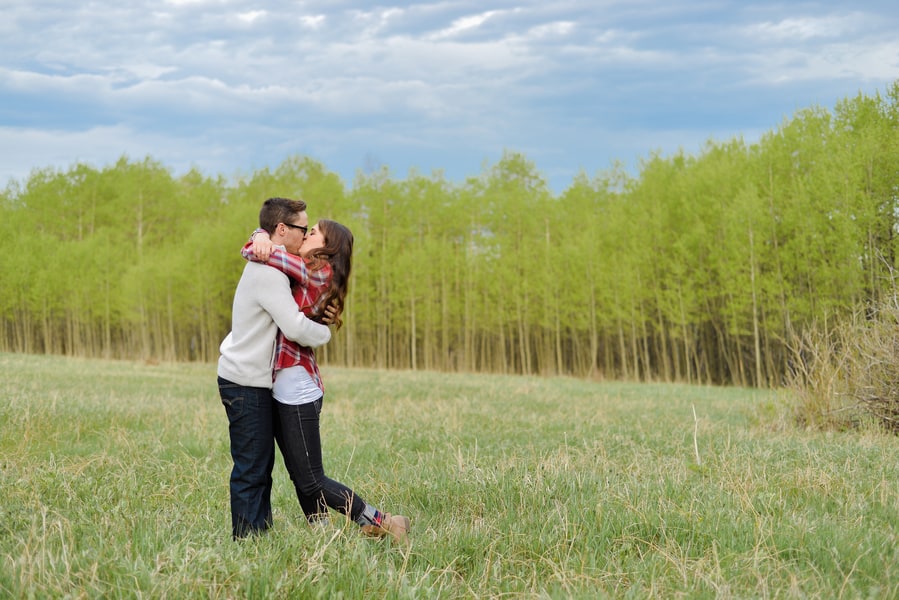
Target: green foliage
[(698, 269), (114, 482)]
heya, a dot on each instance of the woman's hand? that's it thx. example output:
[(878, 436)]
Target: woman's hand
[(330, 313), (262, 246)]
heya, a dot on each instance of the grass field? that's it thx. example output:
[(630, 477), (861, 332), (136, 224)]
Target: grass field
[(114, 483)]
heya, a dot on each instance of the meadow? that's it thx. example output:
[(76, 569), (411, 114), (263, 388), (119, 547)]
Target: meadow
[(114, 484)]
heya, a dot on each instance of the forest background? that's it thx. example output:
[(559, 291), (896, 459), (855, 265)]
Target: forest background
[(699, 268)]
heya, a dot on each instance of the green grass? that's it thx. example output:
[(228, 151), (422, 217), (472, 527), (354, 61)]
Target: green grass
[(114, 483)]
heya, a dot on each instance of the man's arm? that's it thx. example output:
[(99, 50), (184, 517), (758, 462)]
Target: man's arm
[(276, 299)]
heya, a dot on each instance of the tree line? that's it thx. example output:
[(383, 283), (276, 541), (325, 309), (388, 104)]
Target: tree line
[(698, 268)]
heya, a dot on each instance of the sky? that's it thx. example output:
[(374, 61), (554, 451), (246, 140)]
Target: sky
[(229, 87)]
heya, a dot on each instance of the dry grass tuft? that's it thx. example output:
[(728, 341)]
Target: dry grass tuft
[(847, 375)]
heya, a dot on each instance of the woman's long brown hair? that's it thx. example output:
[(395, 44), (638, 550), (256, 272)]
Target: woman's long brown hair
[(338, 252)]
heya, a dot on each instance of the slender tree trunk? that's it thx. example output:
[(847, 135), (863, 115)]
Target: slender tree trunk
[(788, 326), (412, 333), (107, 320), (559, 361), (594, 333), (663, 344), (755, 313), (47, 333), (622, 350), (636, 352), (647, 362), (173, 338), (444, 324), (683, 320)]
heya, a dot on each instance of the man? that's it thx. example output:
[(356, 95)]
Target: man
[(262, 304)]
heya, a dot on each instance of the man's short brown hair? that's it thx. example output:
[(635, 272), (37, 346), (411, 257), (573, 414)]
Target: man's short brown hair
[(279, 210)]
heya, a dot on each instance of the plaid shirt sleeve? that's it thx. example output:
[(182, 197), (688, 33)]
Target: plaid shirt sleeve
[(291, 265)]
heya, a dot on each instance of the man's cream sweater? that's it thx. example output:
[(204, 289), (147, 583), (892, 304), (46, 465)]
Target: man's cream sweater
[(262, 305)]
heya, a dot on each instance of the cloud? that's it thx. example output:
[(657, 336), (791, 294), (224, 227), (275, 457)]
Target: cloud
[(252, 16), (313, 21), (97, 146), (462, 25), (803, 29), (232, 83)]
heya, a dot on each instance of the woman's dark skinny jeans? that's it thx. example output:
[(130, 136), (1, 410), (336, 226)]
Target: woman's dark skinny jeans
[(299, 438)]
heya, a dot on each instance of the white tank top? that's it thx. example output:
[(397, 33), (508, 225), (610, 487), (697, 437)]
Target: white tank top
[(294, 385)]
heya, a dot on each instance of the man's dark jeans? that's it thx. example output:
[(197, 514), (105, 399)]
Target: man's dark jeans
[(250, 426)]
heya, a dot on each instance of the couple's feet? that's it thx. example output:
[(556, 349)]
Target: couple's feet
[(395, 526)]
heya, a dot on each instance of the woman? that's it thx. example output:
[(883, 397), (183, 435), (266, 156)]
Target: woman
[(319, 277)]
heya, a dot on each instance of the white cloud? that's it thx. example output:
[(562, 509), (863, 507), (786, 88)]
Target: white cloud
[(183, 77), (371, 22), (805, 28), (39, 83), (147, 70), (463, 25), (251, 16), (860, 62), (552, 30), (96, 146), (313, 21)]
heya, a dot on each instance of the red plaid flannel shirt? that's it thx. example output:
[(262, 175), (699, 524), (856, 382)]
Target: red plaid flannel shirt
[(307, 287)]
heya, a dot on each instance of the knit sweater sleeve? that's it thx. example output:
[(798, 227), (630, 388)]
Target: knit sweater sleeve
[(276, 299)]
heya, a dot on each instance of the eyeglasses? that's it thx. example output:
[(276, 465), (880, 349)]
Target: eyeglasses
[(300, 227)]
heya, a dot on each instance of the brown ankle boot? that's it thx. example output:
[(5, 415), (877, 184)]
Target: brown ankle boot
[(396, 526)]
